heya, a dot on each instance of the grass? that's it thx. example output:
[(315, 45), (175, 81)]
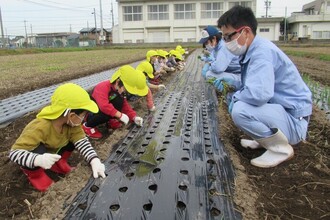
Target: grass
[(166, 46), (321, 94), (23, 72), (319, 56)]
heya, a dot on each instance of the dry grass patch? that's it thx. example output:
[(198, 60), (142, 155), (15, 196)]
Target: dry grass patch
[(22, 73)]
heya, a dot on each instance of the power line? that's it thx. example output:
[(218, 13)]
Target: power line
[(53, 6)]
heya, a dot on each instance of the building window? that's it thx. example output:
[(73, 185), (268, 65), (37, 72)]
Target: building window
[(317, 34), (264, 29), (184, 11), (139, 41), (212, 10), (127, 41), (132, 13), (178, 40), (242, 3), (158, 12), (191, 39), (326, 35)]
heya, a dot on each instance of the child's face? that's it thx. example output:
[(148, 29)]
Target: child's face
[(121, 90), (153, 59), (75, 120), (212, 42)]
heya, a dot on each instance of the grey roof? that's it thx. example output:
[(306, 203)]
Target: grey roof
[(87, 30), (316, 5), (58, 34), (73, 36)]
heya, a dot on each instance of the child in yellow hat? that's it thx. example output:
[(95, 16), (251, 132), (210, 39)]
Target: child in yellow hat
[(146, 68), (152, 57), (48, 141), (110, 97)]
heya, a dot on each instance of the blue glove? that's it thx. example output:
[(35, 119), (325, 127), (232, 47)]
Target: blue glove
[(230, 106), (210, 59), (219, 83), (205, 69)]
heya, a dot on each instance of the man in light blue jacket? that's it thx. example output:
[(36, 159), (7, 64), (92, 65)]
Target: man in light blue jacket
[(223, 63), (273, 104)]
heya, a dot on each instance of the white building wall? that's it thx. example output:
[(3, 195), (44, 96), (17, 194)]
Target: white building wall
[(270, 31), (171, 30), (312, 30), (316, 26)]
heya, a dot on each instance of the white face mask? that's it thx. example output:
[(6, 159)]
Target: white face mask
[(235, 48), (209, 48), (72, 124)]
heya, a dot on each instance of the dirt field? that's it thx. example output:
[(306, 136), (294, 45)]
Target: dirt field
[(297, 189)]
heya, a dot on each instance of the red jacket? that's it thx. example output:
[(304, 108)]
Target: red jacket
[(101, 96)]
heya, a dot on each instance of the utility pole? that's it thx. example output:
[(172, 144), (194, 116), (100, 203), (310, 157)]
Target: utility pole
[(70, 29), (95, 25), (31, 36), (26, 42), (112, 16), (2, 35), (101, 17), (7, 37), (285, 40), (267, 5)]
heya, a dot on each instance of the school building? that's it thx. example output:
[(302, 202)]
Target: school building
[(150, 21)]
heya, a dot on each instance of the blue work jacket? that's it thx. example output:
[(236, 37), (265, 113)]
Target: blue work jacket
[(224, 61), (269, 76)]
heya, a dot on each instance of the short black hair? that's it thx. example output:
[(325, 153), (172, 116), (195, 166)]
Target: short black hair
[(78, 111), (218, 37), (239, 16), (120, 83)]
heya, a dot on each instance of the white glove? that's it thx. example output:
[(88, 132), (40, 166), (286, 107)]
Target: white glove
[(98, 168), (46, 160), (153, 108), (161, 86), (138, 121), (124, 118)]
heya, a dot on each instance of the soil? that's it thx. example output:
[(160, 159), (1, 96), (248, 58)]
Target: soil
[(296, 189)]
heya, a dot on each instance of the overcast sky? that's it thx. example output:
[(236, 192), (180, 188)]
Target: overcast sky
[(44, 16)]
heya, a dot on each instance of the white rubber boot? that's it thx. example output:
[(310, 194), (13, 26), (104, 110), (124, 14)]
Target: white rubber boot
[(278, 151), (250, 144)]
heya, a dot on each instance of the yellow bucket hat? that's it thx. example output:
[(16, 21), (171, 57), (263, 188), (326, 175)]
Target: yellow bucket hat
[(68, 96), (181, 51), (134, 80), (150, 54), (146, 67), (162, 53), (177, 54)]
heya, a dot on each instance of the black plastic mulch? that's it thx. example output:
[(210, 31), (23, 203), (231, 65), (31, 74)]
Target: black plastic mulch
[(174, 167)]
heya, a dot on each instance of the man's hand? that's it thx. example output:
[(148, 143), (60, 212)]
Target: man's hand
[(221, 83), (230, 106)]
